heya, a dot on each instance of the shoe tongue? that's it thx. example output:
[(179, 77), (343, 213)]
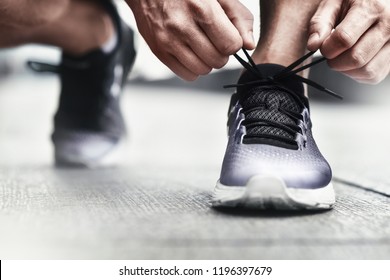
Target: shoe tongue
[(265, 102), (270, 70)]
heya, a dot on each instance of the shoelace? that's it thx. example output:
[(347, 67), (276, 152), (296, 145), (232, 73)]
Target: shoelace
[(297, 132), (42, 67)]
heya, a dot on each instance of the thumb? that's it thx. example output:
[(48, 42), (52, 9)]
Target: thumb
[(242, 19), (322, 23)]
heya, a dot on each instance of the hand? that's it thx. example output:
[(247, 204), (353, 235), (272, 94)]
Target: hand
[(192, 37), (359, 46)]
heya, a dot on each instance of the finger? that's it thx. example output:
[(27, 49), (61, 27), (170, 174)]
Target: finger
[(219, 29), (375, 71), (178, 68), (347, 33), (190, 38), (189, 59), (207, 52), (322, 23), (242, 19), (362, 52), (200, 44)]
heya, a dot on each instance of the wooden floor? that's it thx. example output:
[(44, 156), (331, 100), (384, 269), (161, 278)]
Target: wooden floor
[(156, 204)]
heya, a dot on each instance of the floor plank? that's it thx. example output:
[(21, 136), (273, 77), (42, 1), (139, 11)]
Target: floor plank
[(156, 204), (126, 213)]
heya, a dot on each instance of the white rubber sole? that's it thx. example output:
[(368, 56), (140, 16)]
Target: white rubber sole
[(110, 158), (269, 192)]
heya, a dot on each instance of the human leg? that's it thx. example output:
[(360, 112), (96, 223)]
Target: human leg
[(284, 30), (28, 13), (75, 26), (97, 54)]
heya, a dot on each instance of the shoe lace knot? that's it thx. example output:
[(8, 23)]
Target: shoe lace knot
[(273, 113)]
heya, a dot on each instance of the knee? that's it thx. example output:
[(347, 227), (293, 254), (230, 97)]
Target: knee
[(28, 13), (47, 11)]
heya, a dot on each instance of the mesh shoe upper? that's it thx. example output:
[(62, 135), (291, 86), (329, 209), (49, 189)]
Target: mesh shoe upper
[(88, 125), (270, 133), (91, 86)]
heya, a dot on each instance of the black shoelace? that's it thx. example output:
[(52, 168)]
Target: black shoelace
[(262, 128)]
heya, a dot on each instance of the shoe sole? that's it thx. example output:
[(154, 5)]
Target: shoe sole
[(268, 192), (108, 159)]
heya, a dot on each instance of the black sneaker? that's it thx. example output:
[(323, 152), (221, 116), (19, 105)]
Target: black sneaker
[(89, 128), (272, 160)]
